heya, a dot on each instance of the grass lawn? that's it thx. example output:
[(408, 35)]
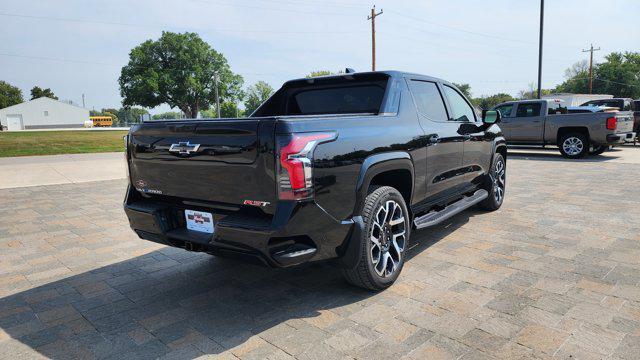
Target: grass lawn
[(25, 143)]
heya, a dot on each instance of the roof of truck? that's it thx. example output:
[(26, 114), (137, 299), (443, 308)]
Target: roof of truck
[(391, 73)]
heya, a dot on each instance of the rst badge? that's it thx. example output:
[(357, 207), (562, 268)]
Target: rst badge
[(256, 203)]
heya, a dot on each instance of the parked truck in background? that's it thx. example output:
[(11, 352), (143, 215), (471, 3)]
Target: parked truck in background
[(545, 122), (623, 104), (339, 167)]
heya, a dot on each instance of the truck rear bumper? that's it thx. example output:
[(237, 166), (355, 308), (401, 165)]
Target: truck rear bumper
[(613, 139), (298, 232)]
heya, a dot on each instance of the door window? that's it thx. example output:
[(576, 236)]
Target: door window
[(460, 108), (505, 110), (428, 100), (528, 110)]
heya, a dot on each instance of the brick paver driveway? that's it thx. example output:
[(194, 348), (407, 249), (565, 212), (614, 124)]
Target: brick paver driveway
[(554, 273)]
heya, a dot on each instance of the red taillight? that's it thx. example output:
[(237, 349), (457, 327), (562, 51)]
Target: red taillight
[(612, 123), (295, 163)]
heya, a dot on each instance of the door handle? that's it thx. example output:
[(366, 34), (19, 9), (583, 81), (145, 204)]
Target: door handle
[(433, 139), (536, 121)]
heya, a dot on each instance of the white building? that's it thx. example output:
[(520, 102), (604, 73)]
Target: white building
[(42, 113), (576, 99)]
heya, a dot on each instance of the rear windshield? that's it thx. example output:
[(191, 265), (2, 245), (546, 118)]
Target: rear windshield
[(340, 100), (331, 95)]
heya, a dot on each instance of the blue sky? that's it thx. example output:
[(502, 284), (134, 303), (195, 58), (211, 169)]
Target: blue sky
[(77, 47)]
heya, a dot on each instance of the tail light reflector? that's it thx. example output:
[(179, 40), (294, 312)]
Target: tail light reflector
[(295, 163), (612, 123)]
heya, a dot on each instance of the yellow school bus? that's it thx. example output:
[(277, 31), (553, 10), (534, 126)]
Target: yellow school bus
[(101, 121)]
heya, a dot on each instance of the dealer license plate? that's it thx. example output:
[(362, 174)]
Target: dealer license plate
[(199, 221)]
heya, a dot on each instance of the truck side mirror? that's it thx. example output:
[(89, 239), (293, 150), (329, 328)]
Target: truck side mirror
[(491, 117)]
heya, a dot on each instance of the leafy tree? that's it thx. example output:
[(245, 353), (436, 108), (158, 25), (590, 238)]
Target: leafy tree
[(228, 109), (95, 113), (9, 95), (167, 115), (37, 92), (532, 93), (321, 73), (130, 115), (465, 89), (487, 102), (110, 110), (618, 75), (256, 95), (178, 70)]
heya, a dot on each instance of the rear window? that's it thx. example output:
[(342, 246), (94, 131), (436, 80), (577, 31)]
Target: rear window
[(608, 103), (528, 110), (346, 94), (339, 100)]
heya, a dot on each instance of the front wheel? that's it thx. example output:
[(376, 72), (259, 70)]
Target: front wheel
[(495, 184), (383, 243), (573, 145)]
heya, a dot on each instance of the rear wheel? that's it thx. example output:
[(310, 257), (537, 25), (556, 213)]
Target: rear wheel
[(573, 145), (384, 240)]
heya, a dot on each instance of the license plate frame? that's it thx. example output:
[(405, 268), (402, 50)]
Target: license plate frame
[(199, 221)]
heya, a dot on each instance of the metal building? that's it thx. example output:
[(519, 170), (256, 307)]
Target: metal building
[(42, 113)]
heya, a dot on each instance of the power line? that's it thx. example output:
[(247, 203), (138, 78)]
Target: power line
[(460, 29), (48, 18)]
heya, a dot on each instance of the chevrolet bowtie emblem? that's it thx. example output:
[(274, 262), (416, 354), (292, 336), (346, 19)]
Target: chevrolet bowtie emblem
[(184, 148)]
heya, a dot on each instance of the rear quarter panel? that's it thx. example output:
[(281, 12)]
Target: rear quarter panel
[(337, 164), (595, 123)]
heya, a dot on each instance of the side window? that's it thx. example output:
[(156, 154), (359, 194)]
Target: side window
[(461, 110), (505, 110), (528, 110), (627, 106), (428, 100)]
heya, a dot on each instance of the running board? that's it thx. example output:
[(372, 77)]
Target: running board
[(435, 217)]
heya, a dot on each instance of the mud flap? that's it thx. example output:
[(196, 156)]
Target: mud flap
[(353, 251)]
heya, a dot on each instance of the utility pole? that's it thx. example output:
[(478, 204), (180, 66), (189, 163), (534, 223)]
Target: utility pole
[(372, 17), (82, 100), (540, 49), (216, 80), (591, 50)]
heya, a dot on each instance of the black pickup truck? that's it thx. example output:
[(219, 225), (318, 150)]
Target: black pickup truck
[(338, 167)]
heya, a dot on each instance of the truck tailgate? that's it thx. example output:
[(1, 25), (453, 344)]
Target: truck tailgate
[(222, 161), (625, 122)]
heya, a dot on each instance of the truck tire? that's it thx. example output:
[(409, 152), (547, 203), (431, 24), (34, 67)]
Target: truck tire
[(383, 243), (574, 145), (495, 184)]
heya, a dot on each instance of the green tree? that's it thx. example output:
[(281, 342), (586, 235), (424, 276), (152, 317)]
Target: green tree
[(9, 95), (167, 115), (256, 95), (130, 115), (487, 102), (37, 92), (228, 109), (618, 75), (178, 70), (532, 93), (317, 73), (465, 89)]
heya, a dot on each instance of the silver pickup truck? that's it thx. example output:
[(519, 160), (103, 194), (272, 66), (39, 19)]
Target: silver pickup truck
[(546, 122)]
